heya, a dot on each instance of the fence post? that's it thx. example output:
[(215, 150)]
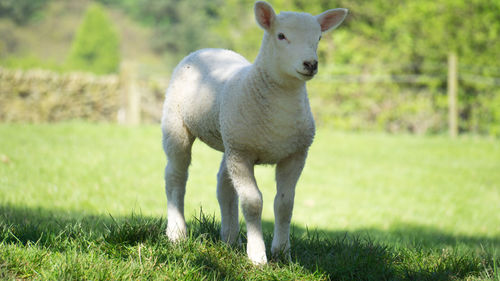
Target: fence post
[(452, 94), (132, 95)]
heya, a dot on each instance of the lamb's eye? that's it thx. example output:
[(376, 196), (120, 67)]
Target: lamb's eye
[(281, 36)]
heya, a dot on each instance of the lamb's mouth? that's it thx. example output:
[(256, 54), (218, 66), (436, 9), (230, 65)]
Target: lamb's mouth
[(308, 75)]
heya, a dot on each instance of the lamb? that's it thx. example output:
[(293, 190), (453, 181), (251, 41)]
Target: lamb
[(255, 114)]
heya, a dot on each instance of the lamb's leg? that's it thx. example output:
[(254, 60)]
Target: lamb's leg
[(287, 175), (228, 202), (242, 174), (177, 146)]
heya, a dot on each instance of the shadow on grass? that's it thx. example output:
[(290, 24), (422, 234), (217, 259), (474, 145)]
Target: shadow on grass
[(404, 252)]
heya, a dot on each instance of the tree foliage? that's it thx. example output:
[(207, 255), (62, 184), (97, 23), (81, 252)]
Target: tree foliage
[(180, 26), (20, 11), (96, 46)]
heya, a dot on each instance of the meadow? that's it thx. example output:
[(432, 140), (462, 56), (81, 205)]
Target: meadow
[(86, 201)]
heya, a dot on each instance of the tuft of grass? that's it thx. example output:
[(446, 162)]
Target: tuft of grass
[(344, 257)]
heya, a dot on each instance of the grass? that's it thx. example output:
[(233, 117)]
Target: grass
[(86, 201)]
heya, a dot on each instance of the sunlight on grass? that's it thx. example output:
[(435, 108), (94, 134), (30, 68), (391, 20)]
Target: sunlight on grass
[(352, 181)]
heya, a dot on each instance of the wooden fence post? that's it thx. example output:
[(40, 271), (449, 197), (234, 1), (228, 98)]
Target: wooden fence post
[(132, 95), (452, 95)]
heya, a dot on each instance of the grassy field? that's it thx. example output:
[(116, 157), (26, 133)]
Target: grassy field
[(86, 201)]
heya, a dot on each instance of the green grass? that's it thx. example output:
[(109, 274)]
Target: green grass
[(86, 201)]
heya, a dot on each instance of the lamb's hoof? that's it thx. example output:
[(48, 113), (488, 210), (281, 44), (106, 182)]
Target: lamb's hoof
[(175, 234), (258, 260), (280, 254), (284, 257), (256, 251), (236, 243), (233, 240)]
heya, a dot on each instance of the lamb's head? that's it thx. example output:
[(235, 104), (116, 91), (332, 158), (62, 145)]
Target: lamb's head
[(291, 39)]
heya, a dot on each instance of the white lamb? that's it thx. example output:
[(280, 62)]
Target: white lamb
[(256, 114)]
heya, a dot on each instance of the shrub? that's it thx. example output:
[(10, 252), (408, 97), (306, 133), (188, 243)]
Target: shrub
[(96, 44)]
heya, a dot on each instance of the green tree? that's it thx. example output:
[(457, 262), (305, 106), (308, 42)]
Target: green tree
[(21, 11), (96, 47)]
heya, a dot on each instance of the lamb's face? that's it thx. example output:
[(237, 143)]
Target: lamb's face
[(295, 38)]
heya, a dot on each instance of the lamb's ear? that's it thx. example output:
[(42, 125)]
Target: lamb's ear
[(331, 18), (264, 14)]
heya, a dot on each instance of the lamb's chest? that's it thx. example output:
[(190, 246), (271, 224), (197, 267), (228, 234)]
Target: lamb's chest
[(287, 127), (278, 142)]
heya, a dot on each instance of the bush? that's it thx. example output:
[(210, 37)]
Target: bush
[(96, 45)]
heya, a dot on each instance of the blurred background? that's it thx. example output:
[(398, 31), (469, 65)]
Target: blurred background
[(423, 67)]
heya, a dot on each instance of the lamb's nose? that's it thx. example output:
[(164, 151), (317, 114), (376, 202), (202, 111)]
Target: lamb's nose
[(311, 66)]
